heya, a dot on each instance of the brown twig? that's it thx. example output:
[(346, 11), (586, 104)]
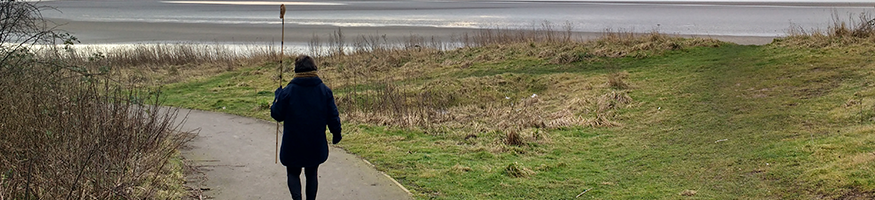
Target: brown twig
[(282, 41), (81, 171)]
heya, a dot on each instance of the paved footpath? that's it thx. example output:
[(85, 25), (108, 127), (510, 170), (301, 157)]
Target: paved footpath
[(236, 155)]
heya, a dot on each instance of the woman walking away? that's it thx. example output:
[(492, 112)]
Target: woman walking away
[(307, 107)]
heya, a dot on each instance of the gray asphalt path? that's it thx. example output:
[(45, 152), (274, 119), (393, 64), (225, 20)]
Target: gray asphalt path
[(236, 156)]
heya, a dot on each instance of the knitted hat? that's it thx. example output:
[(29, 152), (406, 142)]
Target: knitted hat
[(304, 63)]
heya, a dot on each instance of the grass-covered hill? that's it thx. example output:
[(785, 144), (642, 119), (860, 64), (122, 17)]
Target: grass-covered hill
[(621, 117)]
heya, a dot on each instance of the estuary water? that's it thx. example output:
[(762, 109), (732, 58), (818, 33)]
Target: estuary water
[(719, 18)]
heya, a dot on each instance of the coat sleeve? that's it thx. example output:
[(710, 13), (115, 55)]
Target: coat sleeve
[(333, 115), (277, 110)]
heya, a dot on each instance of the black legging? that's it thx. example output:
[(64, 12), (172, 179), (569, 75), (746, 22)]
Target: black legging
[(294, 174)]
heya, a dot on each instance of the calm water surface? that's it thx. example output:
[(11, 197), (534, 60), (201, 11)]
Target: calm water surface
[(740, 18)]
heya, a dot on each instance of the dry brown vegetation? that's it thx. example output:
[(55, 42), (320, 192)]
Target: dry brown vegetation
[(157, 64), (68, 137), (408, 86), (856, 30), (70, 131)]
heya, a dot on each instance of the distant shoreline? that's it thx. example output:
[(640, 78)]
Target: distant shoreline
[(169, 32), (724, 2)]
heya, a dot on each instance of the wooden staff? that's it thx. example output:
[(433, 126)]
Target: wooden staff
[(282, 40)]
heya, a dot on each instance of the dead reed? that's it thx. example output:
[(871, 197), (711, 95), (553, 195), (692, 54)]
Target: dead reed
[(544, 33), (853, 30), (163, 55), (155, 64)]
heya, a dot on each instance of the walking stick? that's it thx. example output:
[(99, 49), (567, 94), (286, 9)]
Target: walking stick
[(282, 40)]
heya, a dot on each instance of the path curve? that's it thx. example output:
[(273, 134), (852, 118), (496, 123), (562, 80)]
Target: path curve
[(236, 155)]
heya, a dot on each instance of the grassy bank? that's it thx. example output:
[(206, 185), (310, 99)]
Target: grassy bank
[(623, 117)]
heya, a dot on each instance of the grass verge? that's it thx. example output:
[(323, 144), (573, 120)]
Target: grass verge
[(624, 117)]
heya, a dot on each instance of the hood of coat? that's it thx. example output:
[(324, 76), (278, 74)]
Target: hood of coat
[(306, 81)]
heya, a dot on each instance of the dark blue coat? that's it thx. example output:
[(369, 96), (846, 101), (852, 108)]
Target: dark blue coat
[(307, 106)]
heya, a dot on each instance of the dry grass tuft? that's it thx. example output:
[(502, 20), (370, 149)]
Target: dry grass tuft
[(620, 44), (688, 193), (616, 80), (613, 100), (516, 170), (513, 138), (460, 169)]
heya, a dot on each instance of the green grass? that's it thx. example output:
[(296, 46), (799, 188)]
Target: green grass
[(243, 92), (728, 122)]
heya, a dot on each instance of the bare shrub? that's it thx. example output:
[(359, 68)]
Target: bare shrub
[(71, 132), (315, 46), (81, 137), (337, 43), (22, 27)]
